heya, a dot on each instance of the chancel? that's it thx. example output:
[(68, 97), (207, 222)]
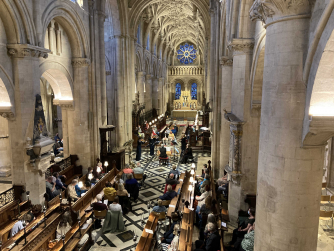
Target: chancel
[(179, 125)]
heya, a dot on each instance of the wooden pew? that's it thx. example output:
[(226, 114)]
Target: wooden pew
[(51, 215), (174, 202), (9, 214), (145, 242), (187, 228)]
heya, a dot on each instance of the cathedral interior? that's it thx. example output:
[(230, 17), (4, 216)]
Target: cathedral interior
[(167, 125)]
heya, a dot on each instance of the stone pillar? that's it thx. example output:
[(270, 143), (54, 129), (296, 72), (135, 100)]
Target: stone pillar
[(148, 93), (65, 135), (155, 87), (160, 96), (140, 86), (5, 161), (77, 117), (52, 39), (289, 175), (102, 65), (25, 63), (226, 86)]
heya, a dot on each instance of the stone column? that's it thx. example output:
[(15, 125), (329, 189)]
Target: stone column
[(25, 63), (148, 93), (160, 96), (289, 175), (52, 34), (102, 66), (226, 86), (140, 86), (65, 135), (5, 161), (77, 117), (155, 86)]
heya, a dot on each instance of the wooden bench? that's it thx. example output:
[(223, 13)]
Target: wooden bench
[(174, 202), (146, 241), (187, 228)]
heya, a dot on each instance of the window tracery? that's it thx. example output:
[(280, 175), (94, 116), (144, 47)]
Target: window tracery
[(177, 91), (194, 91), (186, 54)]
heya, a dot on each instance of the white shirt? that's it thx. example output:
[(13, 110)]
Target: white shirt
[(16, 228), (115, 207)]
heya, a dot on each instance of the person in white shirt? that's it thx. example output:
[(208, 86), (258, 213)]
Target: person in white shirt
[(115, 206), (18, 226)]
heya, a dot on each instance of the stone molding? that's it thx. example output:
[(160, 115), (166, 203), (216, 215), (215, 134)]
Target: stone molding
[(271, 10), (226, 61), (27, 50), (80, 62), (241, 45)]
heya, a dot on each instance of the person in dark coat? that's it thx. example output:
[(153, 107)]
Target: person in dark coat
[(188, 153), (168, 236), (99, 205), (212, 243), (163, 152), (169, 195), (183, 143), (152, 144), (139, 143), (171, 180)]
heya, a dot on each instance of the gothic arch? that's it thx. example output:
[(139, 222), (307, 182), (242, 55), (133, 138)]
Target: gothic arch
[(7, 94), (64, 14), (19, 27)]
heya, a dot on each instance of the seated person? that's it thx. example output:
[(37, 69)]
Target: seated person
[(205, 182), (171, 136), (201, 199), (78, 190), (213, 241), (169, 195), (159, 208), (64, 225), (174, 171), (206, 171), (19, 224), (115, 206), (94, 180), (118, 179), (122, 191), (52, 187), (169, 235), (139, 170), (247, 244), (127, 169), (211, 219), (167, 132), (71, 193), (222, 187), (188, 154), (99, 205), (171, 180), (163, 152), (206, 208), (59, 184), (109, 190), (244, 226), (174, 244)]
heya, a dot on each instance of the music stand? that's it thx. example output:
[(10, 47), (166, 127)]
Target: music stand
[(174, 144)]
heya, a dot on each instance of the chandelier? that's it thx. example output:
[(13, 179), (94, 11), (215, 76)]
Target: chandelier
[(186, 54)]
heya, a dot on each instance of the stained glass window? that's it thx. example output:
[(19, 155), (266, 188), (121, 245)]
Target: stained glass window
[(148, 42), (178, 91), (194, 91), (186, 54), (138, 34)]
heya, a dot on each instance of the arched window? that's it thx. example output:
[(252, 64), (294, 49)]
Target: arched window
[(138, 34), (177, 91), (148, 42), (194, 91)]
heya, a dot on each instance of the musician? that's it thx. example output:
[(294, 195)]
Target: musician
[(163, 152), (152, 143), (188, 154), (171, 136), (139, 143), (183, 143)]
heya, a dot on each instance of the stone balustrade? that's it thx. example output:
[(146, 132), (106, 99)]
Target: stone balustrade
[(185, 70)]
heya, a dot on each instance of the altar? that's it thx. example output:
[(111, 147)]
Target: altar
[(185, 107)]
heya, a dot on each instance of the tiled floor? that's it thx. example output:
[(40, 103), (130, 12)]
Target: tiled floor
[(154, 186)]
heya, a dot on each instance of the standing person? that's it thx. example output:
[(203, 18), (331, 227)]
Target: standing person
[(152, 144), (183, 143), (139, 143), (57, 138)]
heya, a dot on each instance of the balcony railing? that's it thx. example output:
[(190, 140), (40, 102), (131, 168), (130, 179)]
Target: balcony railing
[(7, 197), (185, 70)]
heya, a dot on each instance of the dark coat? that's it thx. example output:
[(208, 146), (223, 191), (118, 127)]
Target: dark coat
[(163, 152), (99, 206), (168, 196), (213, 242), (172, 181)]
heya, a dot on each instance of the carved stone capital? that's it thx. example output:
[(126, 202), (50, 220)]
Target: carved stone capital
[(80, 62), (271, 10), (241, 46), (7, 115), (226, 61), (27, 50)]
